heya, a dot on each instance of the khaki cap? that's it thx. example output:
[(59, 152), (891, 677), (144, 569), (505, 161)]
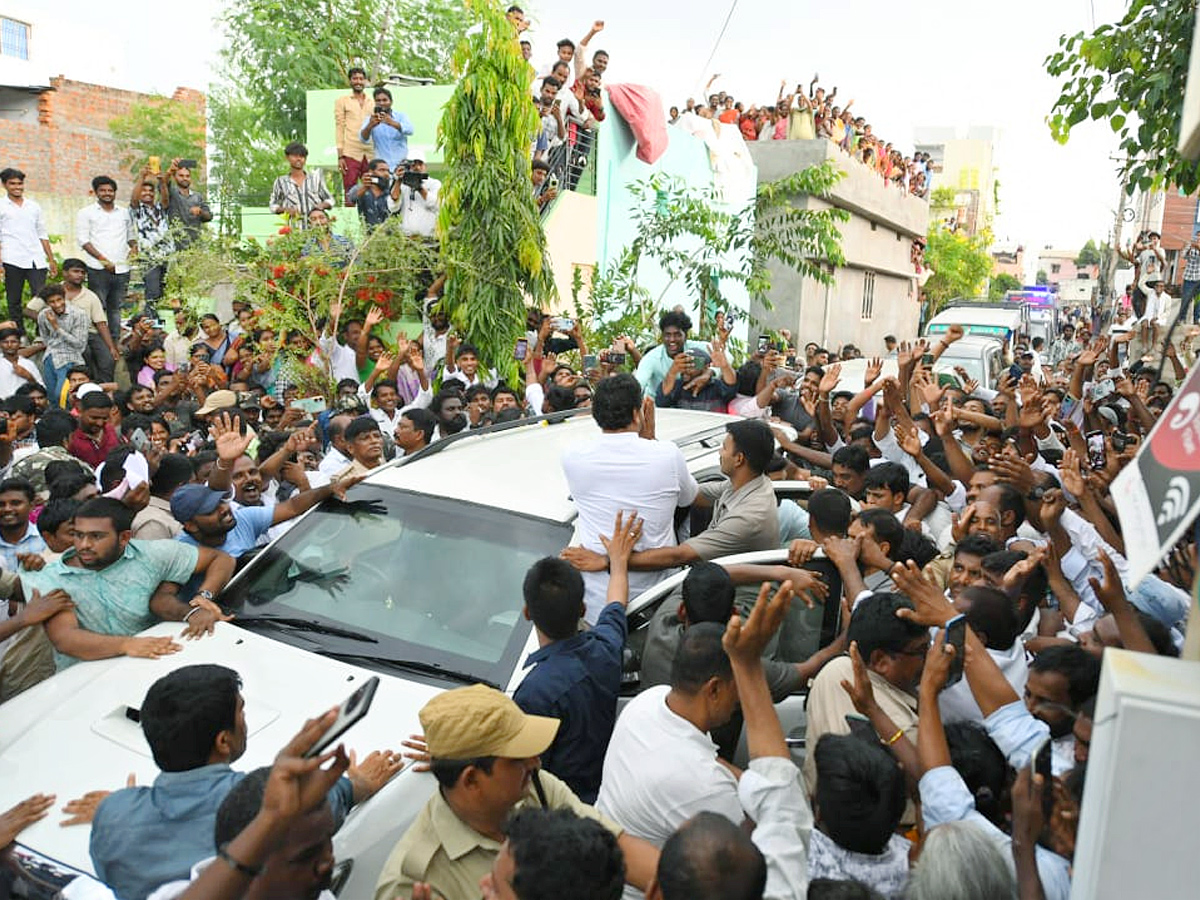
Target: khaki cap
[(218, 400), (476, 721)]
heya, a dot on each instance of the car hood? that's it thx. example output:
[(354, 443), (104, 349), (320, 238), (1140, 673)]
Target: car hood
[(71, 734)]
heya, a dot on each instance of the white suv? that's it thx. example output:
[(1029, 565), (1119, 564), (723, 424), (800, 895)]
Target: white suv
[(417, 579)]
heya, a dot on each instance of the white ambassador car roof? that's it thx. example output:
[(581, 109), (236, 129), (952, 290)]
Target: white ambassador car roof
[(519, 469)]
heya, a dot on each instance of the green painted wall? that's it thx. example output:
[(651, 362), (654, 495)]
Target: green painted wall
[(423, 105)]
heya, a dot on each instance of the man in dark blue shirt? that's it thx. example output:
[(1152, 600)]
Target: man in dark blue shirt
[(577, 674), (372, 193)]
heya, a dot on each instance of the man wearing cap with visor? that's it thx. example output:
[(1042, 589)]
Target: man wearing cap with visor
[(485, 756), (208, 519)]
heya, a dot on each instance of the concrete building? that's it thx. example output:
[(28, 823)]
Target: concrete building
[(967, 166), (876, 292), (55, 128), (1008, 259), (1059, 266)]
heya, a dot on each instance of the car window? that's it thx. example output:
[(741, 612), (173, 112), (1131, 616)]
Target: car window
[(430, 580)]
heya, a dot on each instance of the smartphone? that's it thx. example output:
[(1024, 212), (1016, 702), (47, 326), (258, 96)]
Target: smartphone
[(1043, 764), (1095, 449), (139, 440), (791, 361), (927, 359), (956, 636), (310, 405), (764, 344), (187, 164), (552, 181), (861, 728), (698, 362), (589, 362), (356, 706), (563, 324), (521, 350), (615, 359), (155, 164)]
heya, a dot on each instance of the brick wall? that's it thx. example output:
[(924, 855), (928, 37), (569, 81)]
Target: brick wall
[(70, 144), (1179, 218)]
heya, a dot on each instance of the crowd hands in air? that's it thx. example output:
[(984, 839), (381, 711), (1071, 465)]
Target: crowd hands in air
[(809, 113), (932, 498), (159, 459)]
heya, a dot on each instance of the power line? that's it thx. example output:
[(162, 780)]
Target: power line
[(720, 37)]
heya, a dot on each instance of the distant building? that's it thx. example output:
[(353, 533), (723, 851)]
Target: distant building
[(1172, 215), (967, 166), (1009, 259), (1059, 266), (877, 291), (55, 129)]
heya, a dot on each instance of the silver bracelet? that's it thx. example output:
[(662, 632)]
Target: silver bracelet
[(191, 612)]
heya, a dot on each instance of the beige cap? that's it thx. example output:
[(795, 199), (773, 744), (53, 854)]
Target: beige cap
[(470, 722), (218, 400)]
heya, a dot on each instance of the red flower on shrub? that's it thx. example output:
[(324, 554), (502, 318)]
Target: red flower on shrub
[(286, 229), (322, 271), (370, 279), (382, 297), (270, 282), (362, 294), (278, 305), (279, 271)]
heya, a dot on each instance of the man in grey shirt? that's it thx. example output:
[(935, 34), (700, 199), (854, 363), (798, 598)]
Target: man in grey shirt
[(745, 517), (187, 206)]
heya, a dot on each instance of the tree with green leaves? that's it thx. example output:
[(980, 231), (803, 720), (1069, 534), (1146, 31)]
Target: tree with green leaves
[(1089, 254), (1132, 73), (244, 156), (1041, 279), (960, 263), (489, 226), (707, 246), (1001, 285), (162, 127), (275, 51)]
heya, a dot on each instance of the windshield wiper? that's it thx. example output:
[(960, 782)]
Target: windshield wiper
[(291, 623), (409, 665)]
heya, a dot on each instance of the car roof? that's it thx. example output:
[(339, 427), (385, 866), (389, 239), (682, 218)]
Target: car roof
[(519, 468), (974, 341), (976, 315)]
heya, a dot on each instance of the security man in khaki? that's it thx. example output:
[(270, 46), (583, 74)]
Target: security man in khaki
[(484, 752)]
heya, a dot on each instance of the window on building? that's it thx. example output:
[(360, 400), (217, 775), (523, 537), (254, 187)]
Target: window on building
[(1055, 268), (14, 39), (868, 295)]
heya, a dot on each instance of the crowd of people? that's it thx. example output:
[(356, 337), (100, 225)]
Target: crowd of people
[(966, 535), (808, 114)]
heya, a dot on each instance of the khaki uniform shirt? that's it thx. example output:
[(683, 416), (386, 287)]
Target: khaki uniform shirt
[(348, 115), (829, 704), (452, 857)]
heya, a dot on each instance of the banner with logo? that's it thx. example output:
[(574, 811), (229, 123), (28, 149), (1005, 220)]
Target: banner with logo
[(1158, 494)]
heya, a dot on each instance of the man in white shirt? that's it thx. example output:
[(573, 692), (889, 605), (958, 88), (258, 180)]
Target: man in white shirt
[(24, 241), (620, 470), (661, 768), (418, 203), (108, 238)]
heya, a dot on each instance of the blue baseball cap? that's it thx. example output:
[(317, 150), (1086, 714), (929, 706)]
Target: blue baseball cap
[(191, 500)]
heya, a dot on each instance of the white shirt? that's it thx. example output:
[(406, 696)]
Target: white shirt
[(343, 360), (10, 380), (625, 472), (957, 703), (335, 460), (418, 215), (22, 229), (747, 406), (389, 424), (660, 770), (770, 794), (108, 231)]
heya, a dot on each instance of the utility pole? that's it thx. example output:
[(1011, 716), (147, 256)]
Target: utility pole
[(1110, 264)]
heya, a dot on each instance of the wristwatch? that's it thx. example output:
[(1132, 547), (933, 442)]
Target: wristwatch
[(205, 595)]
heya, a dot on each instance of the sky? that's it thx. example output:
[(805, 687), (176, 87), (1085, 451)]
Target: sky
[(936, 63)]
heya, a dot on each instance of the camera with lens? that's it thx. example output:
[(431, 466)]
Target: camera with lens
[(413, 179)]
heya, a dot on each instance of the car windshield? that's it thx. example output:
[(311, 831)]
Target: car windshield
[(402, 578)]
